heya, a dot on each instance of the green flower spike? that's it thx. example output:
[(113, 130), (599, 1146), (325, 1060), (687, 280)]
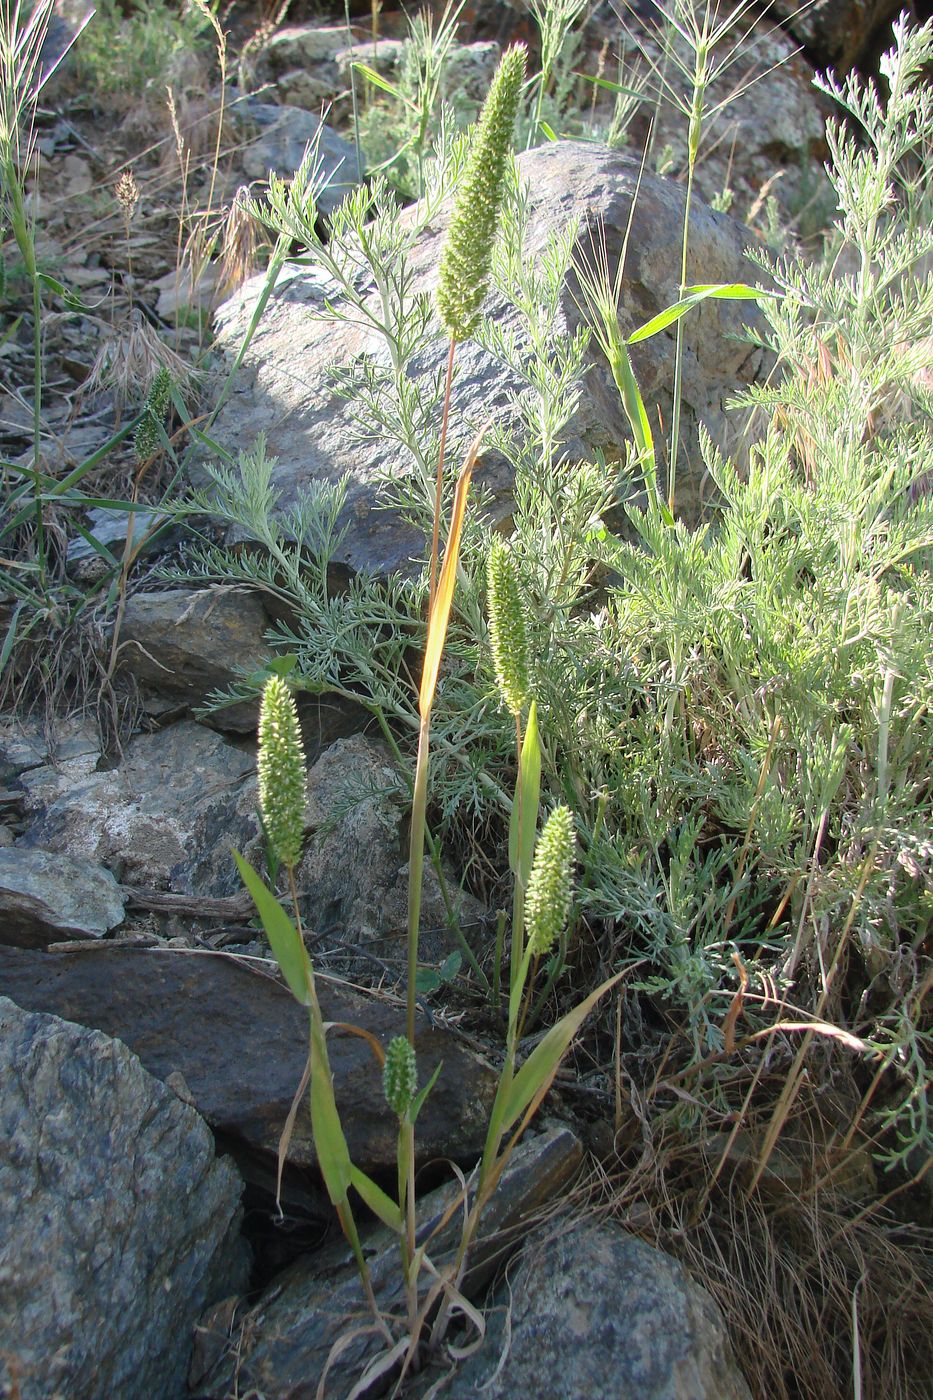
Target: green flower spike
[(467, 252), (508, 633), (547, 903), (281, 771), (400, 1076), (147, 438)]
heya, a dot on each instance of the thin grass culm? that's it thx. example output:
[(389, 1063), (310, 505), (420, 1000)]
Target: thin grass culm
[(465, 264)]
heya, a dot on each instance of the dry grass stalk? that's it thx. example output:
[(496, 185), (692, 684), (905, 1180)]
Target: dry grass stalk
[(241, 241), (819, 1281), (129, 360)]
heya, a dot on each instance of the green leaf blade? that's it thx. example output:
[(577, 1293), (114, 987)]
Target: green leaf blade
[(536, 1074), (289, 951), (330, 1145)]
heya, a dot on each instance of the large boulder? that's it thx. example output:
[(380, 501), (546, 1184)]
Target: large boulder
[(594, 1311), (239, 1042), (284, 389), (118, 1224)]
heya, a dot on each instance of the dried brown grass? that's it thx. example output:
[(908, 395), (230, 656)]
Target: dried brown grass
[(824, 1280)]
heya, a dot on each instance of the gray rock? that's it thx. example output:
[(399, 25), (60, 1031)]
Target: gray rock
[(27, 744), (279, 1348), (304, 46), (187, 643), (597, 1312), (282, 136), (311, 432), (299, 88), (468, 71), (117, 1222), (45, 897), (110, 527), (358, 803), (768, 139), (837, 33), (239, 1040), (167, 816), (180, 291)]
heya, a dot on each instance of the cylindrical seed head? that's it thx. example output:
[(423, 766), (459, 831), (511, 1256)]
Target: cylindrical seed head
[(508, 631), (400, 1076), (147, 438), (467, 253), (547, 901), (281, 771)]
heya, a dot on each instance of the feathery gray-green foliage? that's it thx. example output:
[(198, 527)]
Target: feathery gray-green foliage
[(739, 713)]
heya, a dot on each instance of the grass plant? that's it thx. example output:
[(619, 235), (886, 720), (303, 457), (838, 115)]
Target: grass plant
[(542, 869)]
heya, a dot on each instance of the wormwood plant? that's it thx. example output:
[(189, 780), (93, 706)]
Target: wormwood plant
[(737, 712)]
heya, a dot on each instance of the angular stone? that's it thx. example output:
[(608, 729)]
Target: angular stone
[(118, 1224), (240, 1042), (282, 1345), (311, 432), (187, 643), (299, 88), (597, 1312), (358, 801), (283, 134), (304, 45), (110, 527), (167, 816), (837, 33), (178, 292), (45, 897), (27, 744)]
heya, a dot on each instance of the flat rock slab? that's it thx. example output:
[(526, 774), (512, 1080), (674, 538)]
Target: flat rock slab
[(167, 816), (285, 388), (118, 1223), (240, 1042), (46, 896)]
